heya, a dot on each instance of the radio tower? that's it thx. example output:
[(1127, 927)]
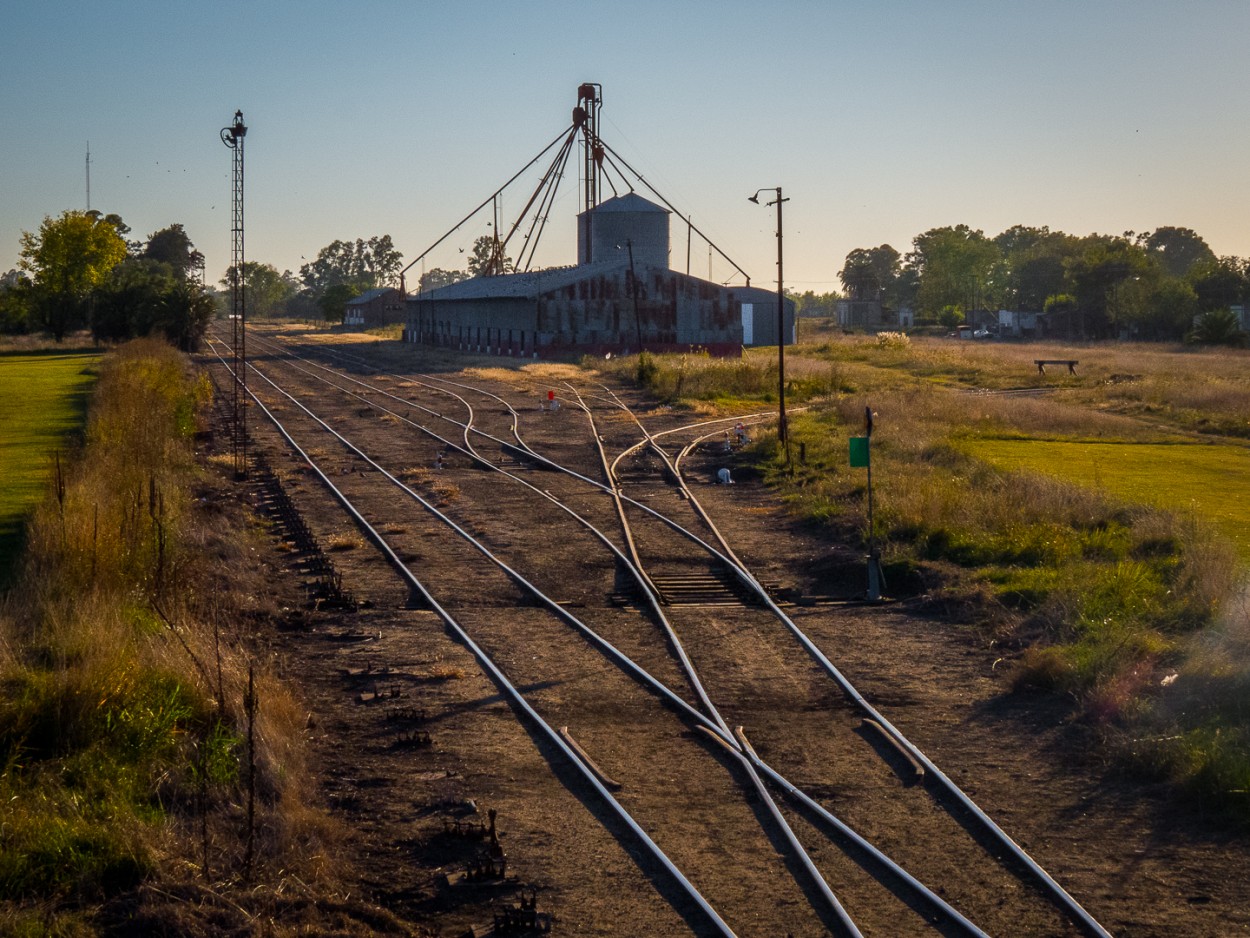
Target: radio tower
[(232, 137)]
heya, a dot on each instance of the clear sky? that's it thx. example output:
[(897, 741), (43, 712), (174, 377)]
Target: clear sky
[(879, 118)]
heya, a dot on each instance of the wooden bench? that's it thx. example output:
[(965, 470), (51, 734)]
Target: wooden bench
[(1041, 364)]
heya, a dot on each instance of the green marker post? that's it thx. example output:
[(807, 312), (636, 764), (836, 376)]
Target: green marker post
[(861, 458)]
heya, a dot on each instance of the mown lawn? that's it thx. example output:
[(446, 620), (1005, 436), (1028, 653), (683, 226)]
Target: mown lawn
[(1210, 480), (43, 398)]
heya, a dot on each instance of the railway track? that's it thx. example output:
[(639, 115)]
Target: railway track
[(668, 661)]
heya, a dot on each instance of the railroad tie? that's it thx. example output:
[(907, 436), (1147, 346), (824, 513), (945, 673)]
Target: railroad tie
[(590, 763), (917, 768)]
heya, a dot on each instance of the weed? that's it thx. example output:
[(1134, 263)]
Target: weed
[(445, 672), (893, 340)]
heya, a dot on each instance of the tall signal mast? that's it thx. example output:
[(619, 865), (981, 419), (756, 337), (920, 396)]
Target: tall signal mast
[(232, 137)]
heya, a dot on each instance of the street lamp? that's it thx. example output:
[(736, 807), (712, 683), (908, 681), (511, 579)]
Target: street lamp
[(782, 435)]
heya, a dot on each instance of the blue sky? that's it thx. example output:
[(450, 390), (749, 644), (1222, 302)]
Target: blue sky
[(879, 119)]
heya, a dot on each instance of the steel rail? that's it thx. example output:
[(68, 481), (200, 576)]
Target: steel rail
[(619, 555), (717, 727), (692, 676), (364, 362), (809, 866), (1049, 885), (939, 906), (486, 662)]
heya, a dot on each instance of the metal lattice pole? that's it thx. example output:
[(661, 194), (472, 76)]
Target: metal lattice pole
[(232, 137)]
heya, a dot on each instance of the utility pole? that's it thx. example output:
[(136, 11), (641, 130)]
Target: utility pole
[(633, 292)]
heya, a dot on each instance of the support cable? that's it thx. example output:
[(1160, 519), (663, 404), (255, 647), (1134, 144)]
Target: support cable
[(571, 130), (652, 189), (553, 171)]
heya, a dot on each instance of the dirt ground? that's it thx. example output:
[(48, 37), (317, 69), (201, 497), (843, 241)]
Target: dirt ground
[(377, 679)]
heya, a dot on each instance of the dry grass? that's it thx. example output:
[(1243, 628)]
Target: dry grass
[(415, 475), (1101, 598), (444, 672), (126, 709), (345, 542)]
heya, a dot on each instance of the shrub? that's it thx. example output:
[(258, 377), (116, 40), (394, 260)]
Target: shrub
[(893, 340)]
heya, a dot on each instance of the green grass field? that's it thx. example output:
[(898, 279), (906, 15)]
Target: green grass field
[(1211, 480), (43, 397)]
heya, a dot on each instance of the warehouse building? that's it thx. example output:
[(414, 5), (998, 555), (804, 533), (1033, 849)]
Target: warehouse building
[(374, 308), (621, 296)]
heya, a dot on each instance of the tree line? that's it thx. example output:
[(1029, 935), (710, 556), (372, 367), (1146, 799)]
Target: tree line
[(1150, 285), (343, 270), (79, 271)]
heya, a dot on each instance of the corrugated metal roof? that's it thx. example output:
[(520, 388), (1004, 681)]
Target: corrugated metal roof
[(525, 286), (369, 295), (532, 285)]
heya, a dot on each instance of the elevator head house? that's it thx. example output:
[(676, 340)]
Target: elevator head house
[(620, 297)]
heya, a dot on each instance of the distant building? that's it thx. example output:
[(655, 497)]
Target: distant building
[(872, 315), (1019, 324), (375, 308), (604, 304), (861, 314), (982, 319)]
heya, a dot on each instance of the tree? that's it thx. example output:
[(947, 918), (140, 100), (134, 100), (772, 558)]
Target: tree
[(868, 274), (1220, 283), (148, 297), (130, 303), (488, 258), (113, 219), (69, 258), (172, 246), (364, 265), (1177, 249), (436, 278), (1107, 277), (1060, 307), (14, 302), (1031, 268), (333, 301), (268, 292), (184, 314), (954, 266), (1170, 309), (810, 304), (950, 316)]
